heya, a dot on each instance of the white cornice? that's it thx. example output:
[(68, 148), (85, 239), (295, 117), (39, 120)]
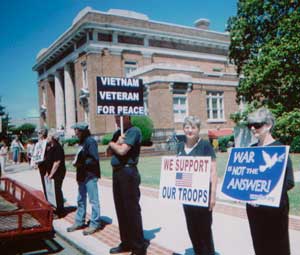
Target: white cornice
[(165, 66), (183, 78), (160, 51), (156, 34)]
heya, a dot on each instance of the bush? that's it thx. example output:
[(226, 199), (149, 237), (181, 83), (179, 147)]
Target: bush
[(287, 127), (223, 142), (295, 145), (71, 141), (106, 139), (145, 124)]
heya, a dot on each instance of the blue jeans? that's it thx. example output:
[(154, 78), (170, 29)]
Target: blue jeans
[(15, 154), (88, 186)]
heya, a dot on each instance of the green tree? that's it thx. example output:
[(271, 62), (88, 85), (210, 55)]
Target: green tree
[(26, 130), (146, 126), (265, 48), (5, 122)]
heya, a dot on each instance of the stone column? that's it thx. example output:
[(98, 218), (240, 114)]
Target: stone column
[(70, 100), (59, 101)]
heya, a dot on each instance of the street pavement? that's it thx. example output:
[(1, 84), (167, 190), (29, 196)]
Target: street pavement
[(164, 222)]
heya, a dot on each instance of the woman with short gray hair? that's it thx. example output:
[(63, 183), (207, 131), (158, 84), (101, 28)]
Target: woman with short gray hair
[(269, 225), (199, 219)]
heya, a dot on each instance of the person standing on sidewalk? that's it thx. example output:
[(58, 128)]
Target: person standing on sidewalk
[(87, 175), (16, 147), (125, 151), (57, 169), (269, 226), (43, 164), (3, 156), (199, 219), (29, 151)]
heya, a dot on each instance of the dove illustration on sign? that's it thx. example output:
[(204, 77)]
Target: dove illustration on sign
[(270, 161)]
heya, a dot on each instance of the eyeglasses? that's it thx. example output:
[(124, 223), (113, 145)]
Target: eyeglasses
[(256, 125)]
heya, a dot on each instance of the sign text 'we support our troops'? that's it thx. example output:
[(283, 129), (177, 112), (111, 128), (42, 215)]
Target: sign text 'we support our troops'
[(185, 180), (119, 96)]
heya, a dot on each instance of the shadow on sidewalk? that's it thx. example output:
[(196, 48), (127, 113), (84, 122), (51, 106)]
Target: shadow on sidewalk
[(150, 234), (105, 220), (190, 251)]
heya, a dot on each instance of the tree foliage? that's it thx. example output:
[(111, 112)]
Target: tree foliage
[(265, 48), (5, 122), (146, 126)]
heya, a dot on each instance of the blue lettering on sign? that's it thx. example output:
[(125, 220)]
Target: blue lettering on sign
[(193, 195), (253, 172), (169, 192)]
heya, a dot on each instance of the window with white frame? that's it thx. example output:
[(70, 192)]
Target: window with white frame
[(179, 107), (215, 105), (129, 66)]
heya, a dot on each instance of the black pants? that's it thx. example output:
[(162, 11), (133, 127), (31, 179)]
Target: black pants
[(126, 193), (58, 180), (269, 229), (199, 221)]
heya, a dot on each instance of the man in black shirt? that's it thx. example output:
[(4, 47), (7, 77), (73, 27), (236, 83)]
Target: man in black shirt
[(125, 150)]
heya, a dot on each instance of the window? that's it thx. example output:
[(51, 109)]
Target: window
[(104, 37), (215, 106), (179, 107), (130, 40), (129, 66)]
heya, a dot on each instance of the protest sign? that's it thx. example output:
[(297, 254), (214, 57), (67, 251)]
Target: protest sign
[(256, 174), (185, 180), (39, 151), (119, 96), (50, 191)]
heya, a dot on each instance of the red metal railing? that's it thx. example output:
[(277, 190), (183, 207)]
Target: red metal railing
[(34, 214)]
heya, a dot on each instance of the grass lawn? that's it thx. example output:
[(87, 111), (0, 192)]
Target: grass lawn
[(149, 168), (69, 150)]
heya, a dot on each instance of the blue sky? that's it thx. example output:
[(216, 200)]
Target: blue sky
[(29, 25)]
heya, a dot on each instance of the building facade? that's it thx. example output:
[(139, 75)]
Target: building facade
[(185, 71)]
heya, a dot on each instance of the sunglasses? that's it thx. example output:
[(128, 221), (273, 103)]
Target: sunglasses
[(256, 125)]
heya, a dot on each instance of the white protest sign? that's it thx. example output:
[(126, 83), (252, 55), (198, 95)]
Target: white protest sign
[(39, 151), (185, 180), (50, 191)]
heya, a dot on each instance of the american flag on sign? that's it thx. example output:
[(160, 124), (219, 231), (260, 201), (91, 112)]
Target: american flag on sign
[(184, 179)]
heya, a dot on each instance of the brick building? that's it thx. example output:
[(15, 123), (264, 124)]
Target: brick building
[(185, 71)]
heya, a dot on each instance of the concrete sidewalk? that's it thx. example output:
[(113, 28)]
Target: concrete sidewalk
[(164, 222)]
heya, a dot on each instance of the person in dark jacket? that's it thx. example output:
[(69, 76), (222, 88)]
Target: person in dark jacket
[(87, 175), (57, 169), (125, 151), (269, 225)]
